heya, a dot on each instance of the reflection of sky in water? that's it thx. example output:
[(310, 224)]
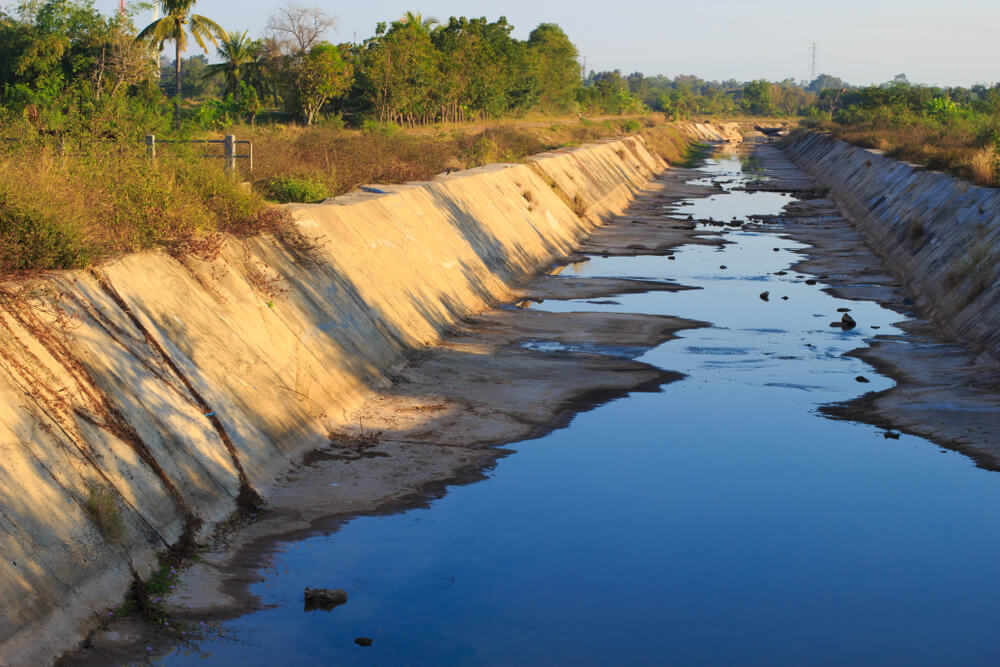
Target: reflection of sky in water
[(732, 203), (720, 522), (785, 344)]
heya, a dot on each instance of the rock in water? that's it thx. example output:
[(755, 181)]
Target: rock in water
[(847, 322), (764, 296), (364, 641), (324, 598)]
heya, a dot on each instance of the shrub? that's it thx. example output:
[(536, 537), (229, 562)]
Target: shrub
[(102, 198), (296, 189), (32, 238), (977, 267), (375, 127), (483, 150)]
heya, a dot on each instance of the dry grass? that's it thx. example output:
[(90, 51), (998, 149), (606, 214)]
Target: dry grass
[(982, 165), (341, 160), (70, 206), (954, 150), (669, 143), (102, 506), (66, 209), (975, 269)]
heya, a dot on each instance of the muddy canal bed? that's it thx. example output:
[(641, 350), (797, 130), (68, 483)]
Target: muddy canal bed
[(714, 518)]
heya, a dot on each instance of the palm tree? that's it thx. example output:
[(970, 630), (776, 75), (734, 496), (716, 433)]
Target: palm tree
[(176, 15), (416, 20), (239, 55)]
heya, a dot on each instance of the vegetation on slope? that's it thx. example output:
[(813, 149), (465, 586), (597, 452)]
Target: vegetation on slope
[(951, 129)]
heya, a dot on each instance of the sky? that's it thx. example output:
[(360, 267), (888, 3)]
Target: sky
[(952, 43)]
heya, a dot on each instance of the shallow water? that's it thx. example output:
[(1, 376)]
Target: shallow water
[(721, 521)]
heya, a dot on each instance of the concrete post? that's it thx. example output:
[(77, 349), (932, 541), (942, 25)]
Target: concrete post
[(151, 147), (230, 153)]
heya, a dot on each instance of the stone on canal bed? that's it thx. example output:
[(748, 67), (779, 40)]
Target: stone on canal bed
[(324, 598), (846, 323)]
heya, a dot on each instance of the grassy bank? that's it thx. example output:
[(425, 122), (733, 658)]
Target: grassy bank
[(68, 206), (76, 203), (964, 145)]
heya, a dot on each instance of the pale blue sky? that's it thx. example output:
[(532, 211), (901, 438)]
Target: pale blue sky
[(946, 42)]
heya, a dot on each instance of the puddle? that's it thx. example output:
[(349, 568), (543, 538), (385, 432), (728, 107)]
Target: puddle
[(720, 521), (550, 346)]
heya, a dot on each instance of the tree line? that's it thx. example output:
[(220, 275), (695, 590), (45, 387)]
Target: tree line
[(62, 61), (64, 65)]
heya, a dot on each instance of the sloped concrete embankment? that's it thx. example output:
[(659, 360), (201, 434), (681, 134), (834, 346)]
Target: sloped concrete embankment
[(140, 401), (939, 233)]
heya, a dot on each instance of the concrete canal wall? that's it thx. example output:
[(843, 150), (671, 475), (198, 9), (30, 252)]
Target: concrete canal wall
[(140, 400), (939, 233)]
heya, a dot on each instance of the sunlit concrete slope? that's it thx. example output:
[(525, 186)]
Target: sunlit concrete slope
[(941, 234)]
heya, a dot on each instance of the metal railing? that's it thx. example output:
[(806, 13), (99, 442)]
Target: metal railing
[(229, 144), (229, 153)]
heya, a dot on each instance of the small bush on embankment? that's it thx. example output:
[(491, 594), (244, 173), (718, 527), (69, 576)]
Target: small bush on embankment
[(286, 189), (69, 205)]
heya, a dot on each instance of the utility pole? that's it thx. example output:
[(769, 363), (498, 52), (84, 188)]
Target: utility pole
[(812, 62)]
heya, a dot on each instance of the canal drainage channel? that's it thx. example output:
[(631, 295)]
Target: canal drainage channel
[(721, 520)]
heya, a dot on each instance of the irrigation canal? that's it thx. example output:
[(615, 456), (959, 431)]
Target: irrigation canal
[(720, 520)]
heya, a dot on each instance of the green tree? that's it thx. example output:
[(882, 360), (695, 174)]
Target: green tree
[(401, 78), (484, 63), (50, 46), (555, 66), (608, 92), (175, 24), (317, 76), (417, 21), (757, 98), (239, 58)]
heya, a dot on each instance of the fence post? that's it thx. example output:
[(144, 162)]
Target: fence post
[(230, 153), (250, 155), (151, 147)]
